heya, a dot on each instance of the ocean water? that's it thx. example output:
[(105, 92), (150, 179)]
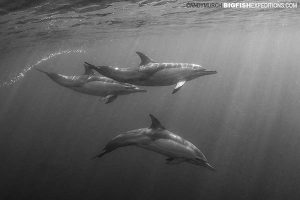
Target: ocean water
[(245, 118)]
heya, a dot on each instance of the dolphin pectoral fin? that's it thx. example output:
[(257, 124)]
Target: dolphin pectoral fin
[(207, 165), (109, 98), (144, 59), (178, 86), (174, 161)]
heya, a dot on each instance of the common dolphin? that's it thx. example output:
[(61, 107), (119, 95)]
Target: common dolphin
[(151, 73), (92, 84), (158, 139)]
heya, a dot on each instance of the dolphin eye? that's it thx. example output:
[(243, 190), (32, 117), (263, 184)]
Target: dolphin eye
[(198, 68)]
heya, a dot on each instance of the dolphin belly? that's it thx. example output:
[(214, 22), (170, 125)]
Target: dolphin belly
[(99, 88), (165, 77), (170, 148)]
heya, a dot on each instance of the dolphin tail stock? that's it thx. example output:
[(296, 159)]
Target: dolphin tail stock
[(52, 75), (174, 161), (101, 154), (115, 143), (62, 79)]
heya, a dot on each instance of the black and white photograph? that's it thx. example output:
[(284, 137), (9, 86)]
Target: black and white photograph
[(149, 100)]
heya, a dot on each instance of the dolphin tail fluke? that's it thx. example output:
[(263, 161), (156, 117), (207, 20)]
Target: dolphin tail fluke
[(90, 66), (89, 69), (99, 69), (101, 154), (40, 70)]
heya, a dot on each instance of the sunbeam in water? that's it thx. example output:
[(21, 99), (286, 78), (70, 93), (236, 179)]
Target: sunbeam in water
[(244, 119)]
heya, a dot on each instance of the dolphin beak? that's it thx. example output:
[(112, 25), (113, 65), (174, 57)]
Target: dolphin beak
[(141, 90), (207, 72)]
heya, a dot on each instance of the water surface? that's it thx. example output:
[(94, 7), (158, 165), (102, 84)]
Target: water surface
[(245, 119)]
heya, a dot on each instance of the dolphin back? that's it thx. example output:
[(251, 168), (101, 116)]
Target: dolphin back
[(66, 81)]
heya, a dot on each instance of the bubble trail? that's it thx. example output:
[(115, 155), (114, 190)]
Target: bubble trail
[(22, 74)]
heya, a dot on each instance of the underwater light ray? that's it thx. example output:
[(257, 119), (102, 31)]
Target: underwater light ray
[(22, 74)]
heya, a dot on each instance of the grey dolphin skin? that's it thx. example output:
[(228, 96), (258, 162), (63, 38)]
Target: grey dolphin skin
[(158, 139), (92, 84), (151, 73)]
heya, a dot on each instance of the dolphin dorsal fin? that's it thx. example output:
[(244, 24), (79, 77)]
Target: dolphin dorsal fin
[(155, 124), (88, 69), (144, 59)]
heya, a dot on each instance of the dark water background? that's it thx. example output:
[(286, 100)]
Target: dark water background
[(245, 119)]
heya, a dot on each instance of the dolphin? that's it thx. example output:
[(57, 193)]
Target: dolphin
[(92, 84), (158, 139), (151, 73)]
